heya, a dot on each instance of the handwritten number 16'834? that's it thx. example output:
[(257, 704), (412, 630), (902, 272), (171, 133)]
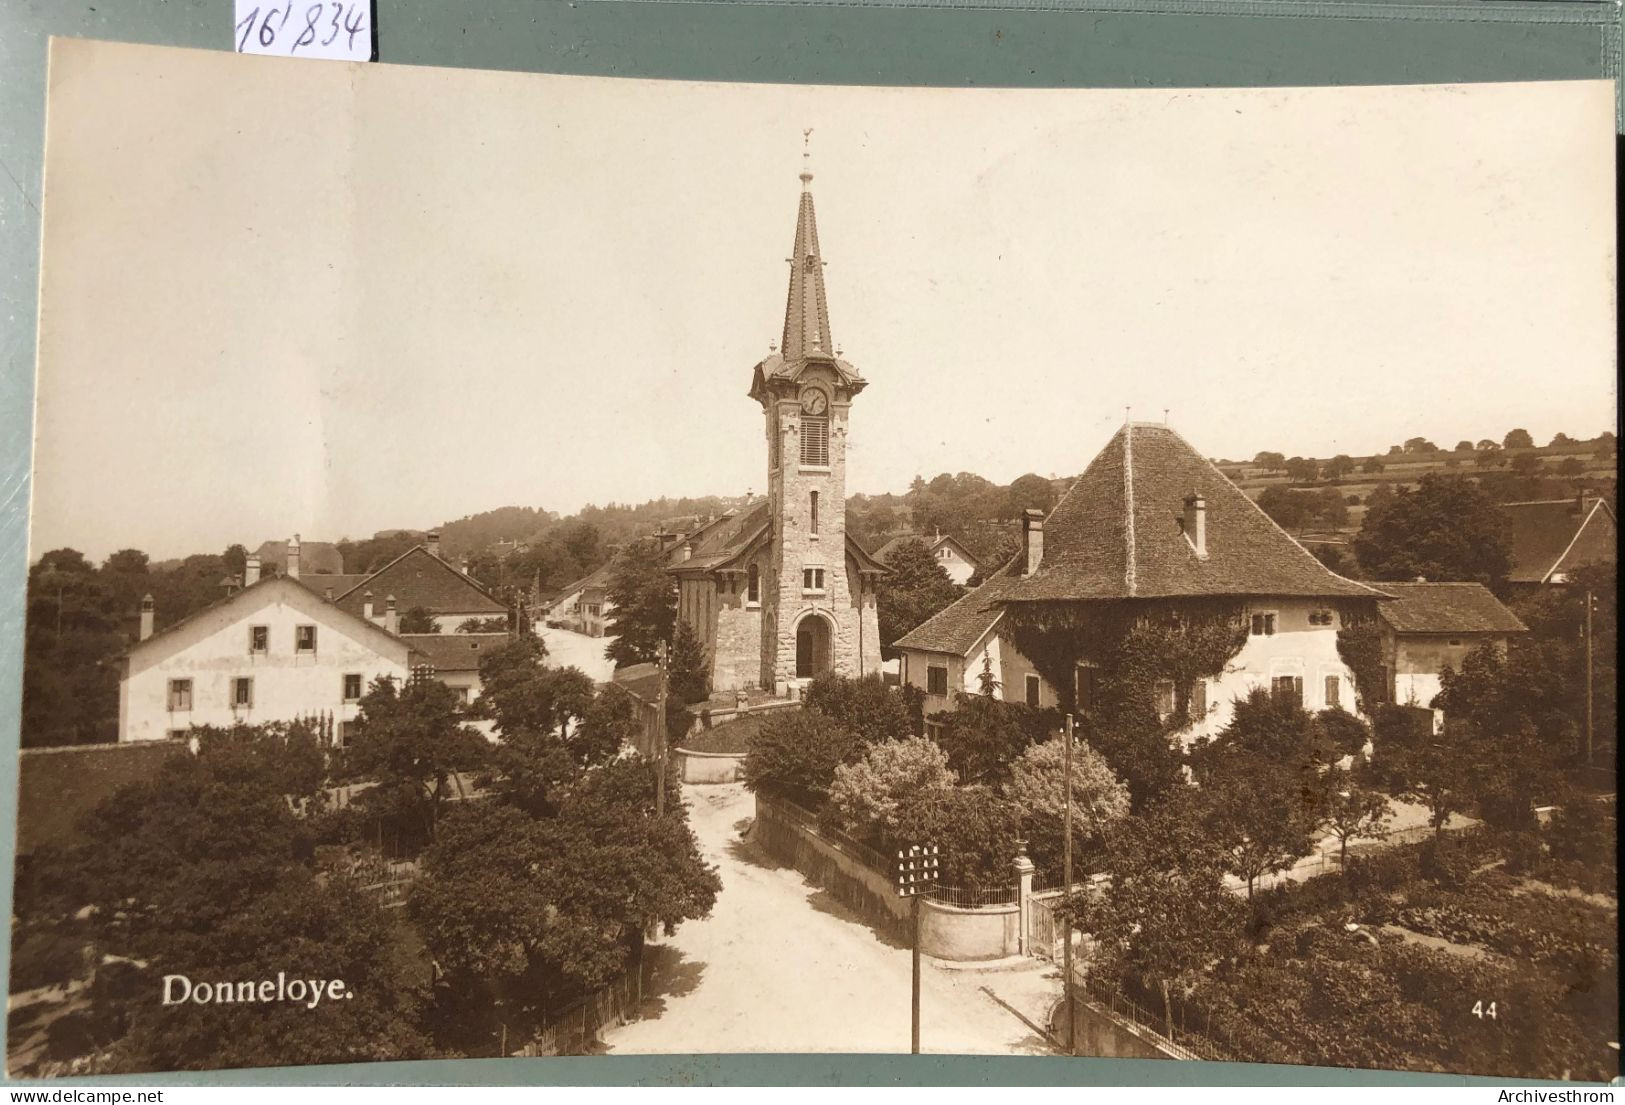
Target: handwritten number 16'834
[(318, 27)]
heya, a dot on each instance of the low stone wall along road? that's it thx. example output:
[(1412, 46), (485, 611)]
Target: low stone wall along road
[(779, 966)]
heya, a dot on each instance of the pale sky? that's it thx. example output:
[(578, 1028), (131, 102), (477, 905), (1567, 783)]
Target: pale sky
[(298, 296)]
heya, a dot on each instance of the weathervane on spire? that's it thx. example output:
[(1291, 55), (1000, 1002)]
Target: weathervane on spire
[(806, 157)]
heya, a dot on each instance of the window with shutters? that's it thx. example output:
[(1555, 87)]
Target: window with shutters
[(1199, 699), (1264, 625), (1334, 691), (242, 693), (1165, 697), (936, 680), (304, 638), (1034, 686), (815, 440), (180, 694), (352, 688), (1288, 688), (259, 638)]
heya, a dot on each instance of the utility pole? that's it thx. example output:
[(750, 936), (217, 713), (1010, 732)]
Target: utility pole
[(916, 874), (1066, 880), (660, 733)]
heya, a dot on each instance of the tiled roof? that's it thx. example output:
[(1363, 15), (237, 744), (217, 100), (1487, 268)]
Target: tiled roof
[(419, 578), (1446, 608), (321, 583), (1117, 533), (958, 626), (1552, 535), (721, 540), (453, 652), (806, 312), (255, 592)]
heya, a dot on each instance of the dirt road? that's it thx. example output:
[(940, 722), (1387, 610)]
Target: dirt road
[(779, 966)]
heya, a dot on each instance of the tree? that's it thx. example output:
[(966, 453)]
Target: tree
[(1487, 446), (1463, 446), (1031, 492), (863, 705), (1396, 450), (865, 795), (483, 625), (418, 619), (1330, 508), (1560, 439), (1447, 528), (689, 666), (983, 736), (1270, 462), (795, 754), (914, 588), (973, 828), (72, 635), (1420, 445), (534, 910), (1285, 507), (1351, 810), (411, 741), (1165, 914), (1339, 466), (1518, 439), (1037, 787), (645, 606), (1571, 467), (1332, 556), (1371, 465), (198, 873), (1302, 469), (1525, 464)]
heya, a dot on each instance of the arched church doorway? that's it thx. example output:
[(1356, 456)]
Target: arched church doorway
[(812, 647)]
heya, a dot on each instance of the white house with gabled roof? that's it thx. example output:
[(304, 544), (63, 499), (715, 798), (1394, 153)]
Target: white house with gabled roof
[(274, 651)]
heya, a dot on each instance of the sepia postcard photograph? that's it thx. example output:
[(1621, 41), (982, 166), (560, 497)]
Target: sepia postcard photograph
[(526, 566)]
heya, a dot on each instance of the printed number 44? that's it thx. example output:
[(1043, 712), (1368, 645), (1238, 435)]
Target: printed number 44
[(1480, 1010)]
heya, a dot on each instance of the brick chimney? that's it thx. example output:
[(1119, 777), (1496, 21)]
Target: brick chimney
[(366, 606), (1195, 523), (251, 570), (1032, 540), (392, 621), (293, 557), (433, 541), (146, 617)]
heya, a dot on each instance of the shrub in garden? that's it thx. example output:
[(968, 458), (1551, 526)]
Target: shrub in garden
[(865, 706), (1037, 787), (796, 753), (864, 796), (974, 829)]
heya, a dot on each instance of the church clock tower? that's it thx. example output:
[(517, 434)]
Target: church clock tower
[(817, 602)]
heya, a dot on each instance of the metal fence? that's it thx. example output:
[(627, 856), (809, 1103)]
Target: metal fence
[(964, 897), (858, 850), (1044, 929)]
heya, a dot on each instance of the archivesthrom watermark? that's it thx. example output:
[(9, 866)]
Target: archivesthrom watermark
[(309, 992)]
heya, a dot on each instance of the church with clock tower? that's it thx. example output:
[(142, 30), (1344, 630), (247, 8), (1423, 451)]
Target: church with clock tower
[(777, 592)]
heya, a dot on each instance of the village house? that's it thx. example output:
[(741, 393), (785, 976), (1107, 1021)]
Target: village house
[(778, 593), (953, 557), (583, 606), (417, 579), (1550, 538), (1431, 627), (274, 651), (1151, 522)]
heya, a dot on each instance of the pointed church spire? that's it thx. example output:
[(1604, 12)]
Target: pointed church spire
[(806, 314)]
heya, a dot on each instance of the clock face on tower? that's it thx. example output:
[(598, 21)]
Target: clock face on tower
[(813, 401)]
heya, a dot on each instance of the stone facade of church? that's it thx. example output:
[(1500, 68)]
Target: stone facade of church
[(777, 592)]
